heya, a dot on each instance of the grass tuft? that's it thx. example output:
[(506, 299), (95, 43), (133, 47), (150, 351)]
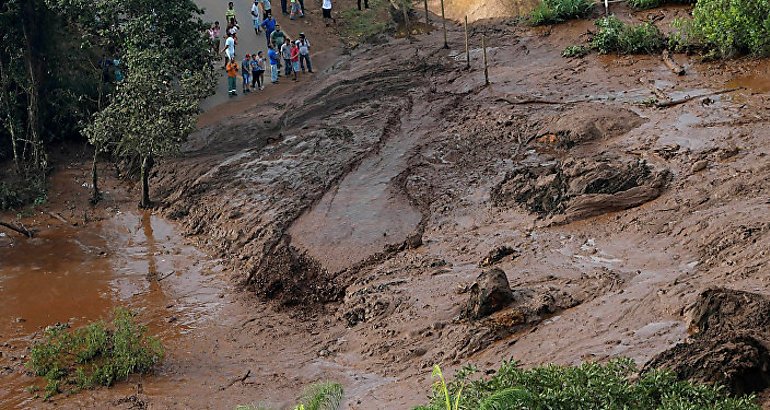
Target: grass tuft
[(615, 36), (93, 355), (650, 4)]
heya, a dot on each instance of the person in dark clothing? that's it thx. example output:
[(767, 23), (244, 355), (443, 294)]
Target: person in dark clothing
[(104, 64), (366, 4)]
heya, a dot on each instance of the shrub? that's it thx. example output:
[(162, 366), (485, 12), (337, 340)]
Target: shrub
[(730, 27), (93, 355), (588, 386), (557, 11), (616, 36)]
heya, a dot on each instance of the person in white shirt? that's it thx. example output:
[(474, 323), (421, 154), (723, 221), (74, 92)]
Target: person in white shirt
[(326, 8), (256, 16), (229, 49), (304, 53)]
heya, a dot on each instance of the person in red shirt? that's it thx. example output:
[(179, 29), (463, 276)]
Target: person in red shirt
[(295, 58)]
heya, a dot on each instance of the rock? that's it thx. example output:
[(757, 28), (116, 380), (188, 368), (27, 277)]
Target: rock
[(490, 293), (699, 165)]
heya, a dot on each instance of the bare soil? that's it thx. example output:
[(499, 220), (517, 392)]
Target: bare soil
[(358, 214)]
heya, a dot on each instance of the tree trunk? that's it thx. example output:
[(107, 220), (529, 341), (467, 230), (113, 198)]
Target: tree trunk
[(95, 195), (144, 203)]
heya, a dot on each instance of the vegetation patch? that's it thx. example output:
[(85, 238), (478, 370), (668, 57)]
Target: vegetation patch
[(317, 396), (615, 36), (616, 385), (649, 4), (557, 11), (729, 27), (367, 25), (575, 51), (93, 355)]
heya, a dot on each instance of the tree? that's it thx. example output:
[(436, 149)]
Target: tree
[(167, 63), (151, 113)]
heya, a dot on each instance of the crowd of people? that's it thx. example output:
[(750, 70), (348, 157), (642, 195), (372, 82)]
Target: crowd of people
[(285, 57)]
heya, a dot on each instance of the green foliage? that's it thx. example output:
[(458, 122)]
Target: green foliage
[(588, 386), (575, 51), (93, 355), (649, 4), (322, 396), (366, 24), (617, 36), (557, 11), (729, 27)]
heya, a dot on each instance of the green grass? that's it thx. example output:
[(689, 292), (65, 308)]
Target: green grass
[(557, 11), (615, 36), (93, 355), (616, 385), (367, 24), (575, 51), (317, 396)]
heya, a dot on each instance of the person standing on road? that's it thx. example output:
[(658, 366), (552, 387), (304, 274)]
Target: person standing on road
[(286, 54), (232, 73), (304, 53), (269, 25), (366, 4), (296, 9), (267, 8), (256, 16), (229, 49), (257, 71), (273, 56), (295, 58), (277, 38), (214, 36), (246, 73), (284, 9), (326, 8), (230, 13)]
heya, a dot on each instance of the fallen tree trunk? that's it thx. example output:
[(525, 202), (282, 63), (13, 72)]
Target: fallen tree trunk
[(690, 98), (22, 230)]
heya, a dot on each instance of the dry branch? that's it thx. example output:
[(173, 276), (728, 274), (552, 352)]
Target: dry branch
[(22, 230), (672, 64), (672, 103)]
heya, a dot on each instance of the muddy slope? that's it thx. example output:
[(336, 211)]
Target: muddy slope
[(376, 198)]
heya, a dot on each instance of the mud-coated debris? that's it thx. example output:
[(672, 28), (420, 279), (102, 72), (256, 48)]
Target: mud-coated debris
[(490, 293), (699, 165), (588, 123), (20, 320), (172, 319), (497, 254), (729, 345), (420, 351)]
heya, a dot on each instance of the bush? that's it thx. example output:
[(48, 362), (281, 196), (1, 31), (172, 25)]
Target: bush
[(616, 36), (557, 11), (368, 24), (588, 386), (649, 4), (730, 27), (93, 355)]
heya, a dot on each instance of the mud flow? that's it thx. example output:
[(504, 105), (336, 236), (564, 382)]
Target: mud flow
[(74, 275)]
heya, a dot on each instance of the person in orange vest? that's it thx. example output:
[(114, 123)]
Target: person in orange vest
[(232, 73)]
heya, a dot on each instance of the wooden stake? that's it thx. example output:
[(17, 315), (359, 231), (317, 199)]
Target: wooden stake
[(427, 21), (443, 22), (606, 6), (467, 49), (486, 69)]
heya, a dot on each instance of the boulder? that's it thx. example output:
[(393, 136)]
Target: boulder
[(490, 293)]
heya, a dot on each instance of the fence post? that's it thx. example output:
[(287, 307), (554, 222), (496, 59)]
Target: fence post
[(606, 6), (486, 69), (427, 21), (467, 47), (443, 21)]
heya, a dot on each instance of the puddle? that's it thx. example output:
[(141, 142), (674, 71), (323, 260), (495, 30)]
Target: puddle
[(756, 83), (75, 275)]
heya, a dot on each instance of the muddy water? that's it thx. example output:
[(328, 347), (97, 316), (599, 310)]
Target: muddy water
[(78, 274)]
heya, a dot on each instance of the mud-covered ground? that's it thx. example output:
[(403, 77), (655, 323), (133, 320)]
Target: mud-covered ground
[(358, 214)]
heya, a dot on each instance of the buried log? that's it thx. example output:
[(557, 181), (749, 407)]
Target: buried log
[(689, 98), (672, 64), (21, 229)]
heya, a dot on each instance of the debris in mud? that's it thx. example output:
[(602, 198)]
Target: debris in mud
[(497, 254), (590, 122), (570, 190), (729, 345), (370, 302), (490, 293)]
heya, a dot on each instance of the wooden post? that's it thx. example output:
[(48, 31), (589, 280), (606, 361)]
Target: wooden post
[(443, 21), (486, 69), (467, 47), (427, 21), (606, 6)]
